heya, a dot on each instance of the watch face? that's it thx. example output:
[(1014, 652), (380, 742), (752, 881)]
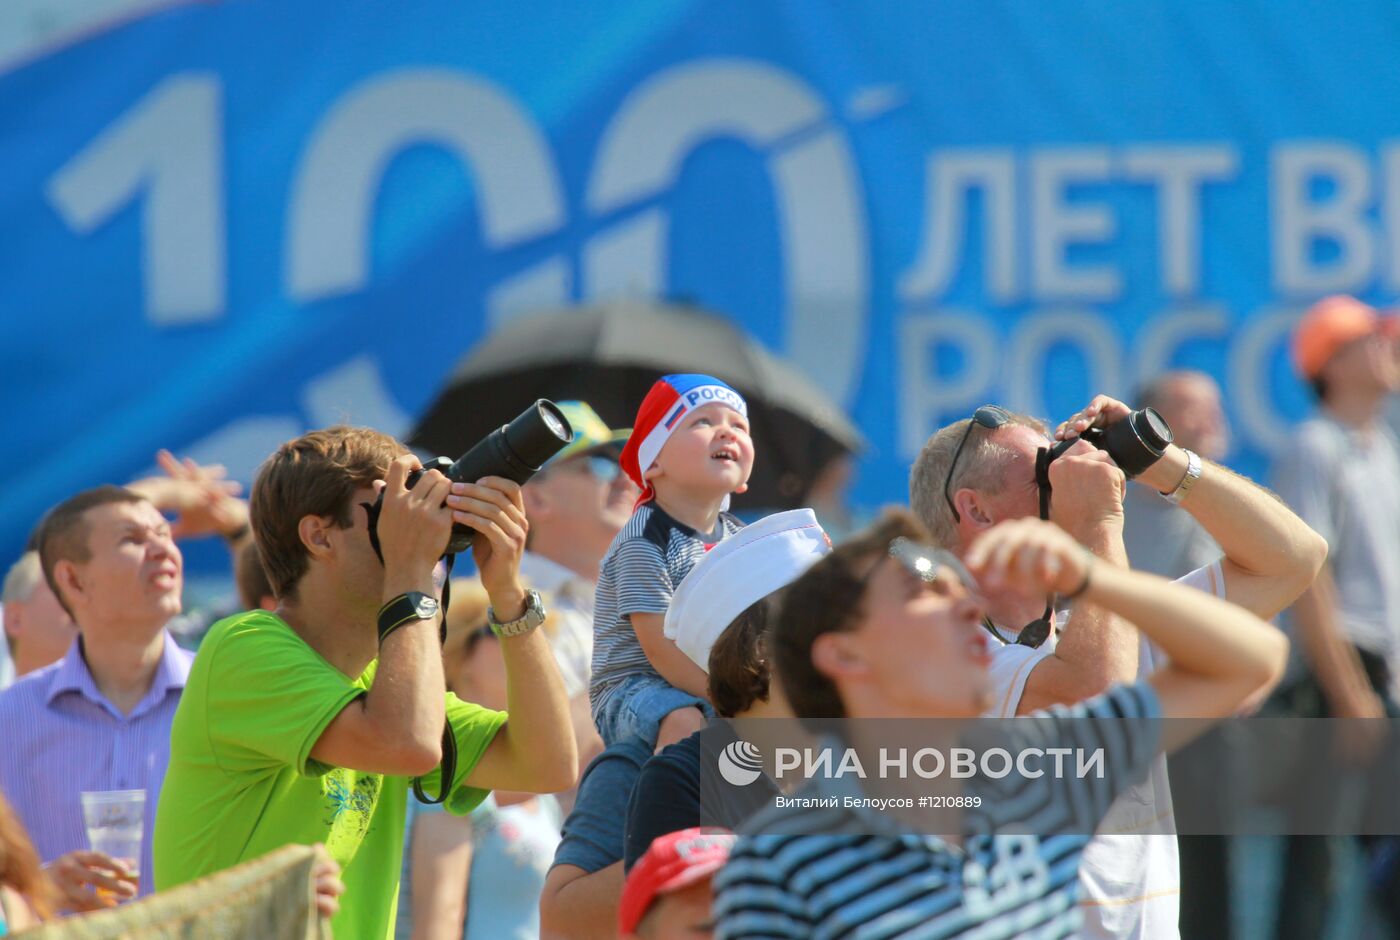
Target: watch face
[(427, 607)]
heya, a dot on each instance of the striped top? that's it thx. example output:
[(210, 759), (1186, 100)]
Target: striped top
[(826, 871), (61, 736), (638, 575)]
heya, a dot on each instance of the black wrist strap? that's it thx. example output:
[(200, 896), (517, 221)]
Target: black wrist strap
[(395, 614), (449, 740)]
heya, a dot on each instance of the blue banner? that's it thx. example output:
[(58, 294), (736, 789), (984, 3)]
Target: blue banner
[(228, 222)]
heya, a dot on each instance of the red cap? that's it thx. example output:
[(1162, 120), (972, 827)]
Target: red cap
[(674, 861), (1330, 324)]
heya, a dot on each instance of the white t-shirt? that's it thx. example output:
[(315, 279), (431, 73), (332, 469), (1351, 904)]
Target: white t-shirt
[(1130, 883), (1345, 484), (569, 599)]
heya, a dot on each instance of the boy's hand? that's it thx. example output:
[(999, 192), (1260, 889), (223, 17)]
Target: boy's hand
[(414, 524), (494, 508), (78, 874), (329, 887), (1029, 555)]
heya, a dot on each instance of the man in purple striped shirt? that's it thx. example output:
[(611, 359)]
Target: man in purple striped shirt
[(98, 719)]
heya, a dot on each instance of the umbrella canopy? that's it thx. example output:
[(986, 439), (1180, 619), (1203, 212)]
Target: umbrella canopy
[(610, 355)]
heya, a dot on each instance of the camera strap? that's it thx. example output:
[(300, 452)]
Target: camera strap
[(372, 513), (1037, 631), (448, 766), (1042, 480)]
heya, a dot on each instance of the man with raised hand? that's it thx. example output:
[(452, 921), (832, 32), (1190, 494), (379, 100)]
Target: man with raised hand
[(887, 626)]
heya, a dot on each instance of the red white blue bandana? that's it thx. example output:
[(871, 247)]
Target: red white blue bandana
[(669, 401)]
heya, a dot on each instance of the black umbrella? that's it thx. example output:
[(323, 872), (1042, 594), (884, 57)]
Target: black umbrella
[(610, 355)]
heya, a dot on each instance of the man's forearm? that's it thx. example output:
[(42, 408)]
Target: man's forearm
[(578, 905), (406, 699), (1332, 658), (1271, 555), (1096, 649), (1198, 632), (1100, 644), (542, 749)]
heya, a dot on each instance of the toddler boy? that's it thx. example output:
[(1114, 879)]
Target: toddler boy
[(689, 450)]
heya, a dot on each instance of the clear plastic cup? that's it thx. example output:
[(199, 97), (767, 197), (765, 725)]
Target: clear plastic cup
[(115, 821)]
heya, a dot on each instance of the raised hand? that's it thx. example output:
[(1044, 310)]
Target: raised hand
[(1100, 412), (495, 509), (1029, 555), (203, 500), (414, 524)]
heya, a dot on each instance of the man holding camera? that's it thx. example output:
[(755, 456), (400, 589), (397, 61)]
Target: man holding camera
[(980, 471), (308, 724)]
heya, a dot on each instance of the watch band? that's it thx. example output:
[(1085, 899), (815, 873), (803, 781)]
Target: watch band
[(534, 616), (403, 609), (1193, 473)]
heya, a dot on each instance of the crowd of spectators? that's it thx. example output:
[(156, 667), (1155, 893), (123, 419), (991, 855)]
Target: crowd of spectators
[(535, 759)]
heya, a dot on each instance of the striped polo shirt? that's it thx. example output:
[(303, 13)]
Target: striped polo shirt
[(823, 870), (638, 575)]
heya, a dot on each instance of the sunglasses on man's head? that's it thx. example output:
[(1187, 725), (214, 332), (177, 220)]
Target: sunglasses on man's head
[(988, 417)]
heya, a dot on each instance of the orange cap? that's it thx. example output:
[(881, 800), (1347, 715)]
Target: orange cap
[(1330, 324)]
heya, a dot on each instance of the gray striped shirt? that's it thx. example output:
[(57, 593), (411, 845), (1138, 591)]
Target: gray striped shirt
[(638, 575), (830, 871)]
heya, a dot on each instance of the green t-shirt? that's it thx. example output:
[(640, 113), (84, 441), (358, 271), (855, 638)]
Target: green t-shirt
[(241, 781)]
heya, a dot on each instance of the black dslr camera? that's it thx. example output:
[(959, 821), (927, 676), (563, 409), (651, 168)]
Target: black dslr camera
[(1134, 444), (515, 451)]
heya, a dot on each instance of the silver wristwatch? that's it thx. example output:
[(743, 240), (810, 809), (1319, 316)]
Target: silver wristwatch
[(532, 618), (1193, 473)]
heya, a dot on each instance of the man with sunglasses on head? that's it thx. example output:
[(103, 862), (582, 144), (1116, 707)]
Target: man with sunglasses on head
[(981, 470)]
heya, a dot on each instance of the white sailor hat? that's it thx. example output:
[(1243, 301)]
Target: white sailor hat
[(744, 568)]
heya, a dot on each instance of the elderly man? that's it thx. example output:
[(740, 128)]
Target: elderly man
[(99, 718), (888, 627), (980, 471), (308, 724), (38, 630)]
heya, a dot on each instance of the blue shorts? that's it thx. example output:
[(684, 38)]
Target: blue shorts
[(635, 708), (593, 834)]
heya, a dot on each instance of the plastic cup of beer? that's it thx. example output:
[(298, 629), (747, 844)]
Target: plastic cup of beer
[(115, 821)]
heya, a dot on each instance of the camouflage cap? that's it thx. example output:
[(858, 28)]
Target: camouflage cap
[(590, 431)]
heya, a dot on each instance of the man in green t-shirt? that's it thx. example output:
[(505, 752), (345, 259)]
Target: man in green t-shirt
[(306, 724)]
